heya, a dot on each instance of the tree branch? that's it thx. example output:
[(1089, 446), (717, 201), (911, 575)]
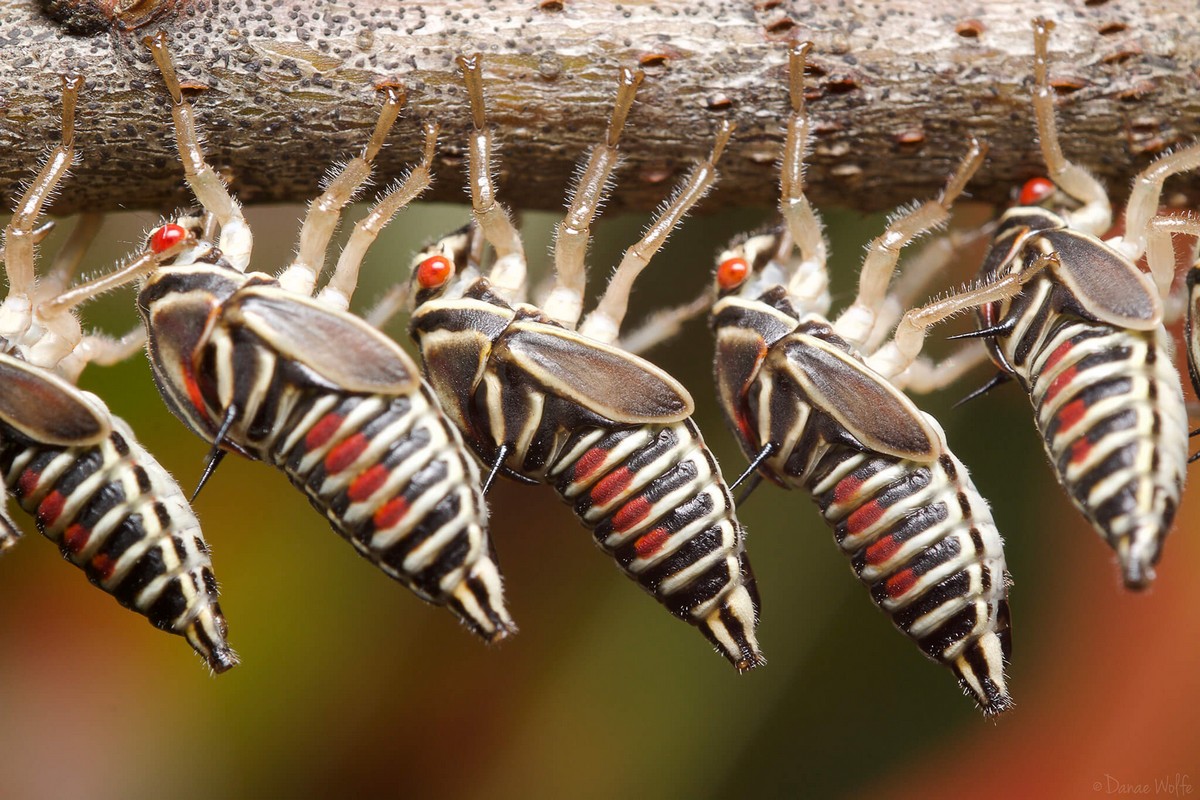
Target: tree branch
[(897, 86)]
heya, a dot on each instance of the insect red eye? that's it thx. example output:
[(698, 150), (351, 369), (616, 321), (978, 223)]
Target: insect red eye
[(732, 272), (434, 271), (1035, 191), (167, 237)]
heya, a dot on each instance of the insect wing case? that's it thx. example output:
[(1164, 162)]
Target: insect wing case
[(1087, 343), (343, 412), (612, 433), (901, 506), (109, 506)]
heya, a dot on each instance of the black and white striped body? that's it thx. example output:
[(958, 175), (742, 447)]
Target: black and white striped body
[(645, 484), (1108, 401), (343, 412), (917, 532), (117, 515)]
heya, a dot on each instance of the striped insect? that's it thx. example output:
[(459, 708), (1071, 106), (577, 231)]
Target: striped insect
[(817, 409), (256, 366), (68, 460), (1087, 343), (542, 403)]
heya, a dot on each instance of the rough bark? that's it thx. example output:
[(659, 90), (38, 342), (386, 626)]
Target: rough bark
[(896, 87)]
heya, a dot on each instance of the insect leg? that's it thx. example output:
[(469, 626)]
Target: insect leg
[(925, 375), (340, 289), (663, 325), (323, 213), (62, 333), (21, 233), (507, 275), (897, 355), (67, 259), (564, 304), (930, 261), (604, 323), (1160, 247), (99, 348), (856, 322), (802, 221), (236, 240), (1096, 215), (1143, 203)]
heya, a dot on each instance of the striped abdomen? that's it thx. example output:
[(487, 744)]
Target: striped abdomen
[(392, 477), (922, 539), (1110, 408), (116, 513), (655, 501)]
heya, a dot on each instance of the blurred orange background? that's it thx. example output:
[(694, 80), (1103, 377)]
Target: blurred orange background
[(350, 686)]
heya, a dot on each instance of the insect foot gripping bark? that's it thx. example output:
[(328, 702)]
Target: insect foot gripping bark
[(1086, 340), (94, 491), (609, 431), (256, 366), (817, 410)]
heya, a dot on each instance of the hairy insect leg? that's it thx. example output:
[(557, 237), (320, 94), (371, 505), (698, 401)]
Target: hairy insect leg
[(22, 231), (69, 256), (802, 220), (323, 213), (925, 375), (1143, 204), (340, 289), (507, 274), (856, 322), (102, 349), (564, 304), (1095, 217), (604, 323), (236, 241), (62, 330), (1160, 247), (39, 234), (917, 272), (663, 325), (899, 354)]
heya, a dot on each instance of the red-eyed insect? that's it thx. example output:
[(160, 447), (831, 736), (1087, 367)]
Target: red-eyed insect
[(1086, 339), (817, 408), (256, 366), (542, 403), (92, 489)]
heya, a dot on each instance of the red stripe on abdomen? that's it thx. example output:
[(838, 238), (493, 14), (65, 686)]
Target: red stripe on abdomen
[(345, 453), (864, 518), (588, 463), (631, 514), (320, 433), (650, 543), (367, 483), (611, 485)]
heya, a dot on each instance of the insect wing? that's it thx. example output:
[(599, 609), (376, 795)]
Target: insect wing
[(339, 347), (605, 380), (1104, 282), (876, 413), (45, 408)]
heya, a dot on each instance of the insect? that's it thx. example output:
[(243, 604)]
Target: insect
[(68, 461), (539, 402), (258, 367), (1086, 340), (816, 409)]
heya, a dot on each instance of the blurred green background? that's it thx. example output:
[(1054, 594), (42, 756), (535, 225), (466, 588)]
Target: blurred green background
[(350, 686)]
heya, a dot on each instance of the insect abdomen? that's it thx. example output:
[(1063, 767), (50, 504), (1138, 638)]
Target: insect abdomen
[(655, 501), (116, 513), (1110, 409), (922, 538), (393, 478)]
